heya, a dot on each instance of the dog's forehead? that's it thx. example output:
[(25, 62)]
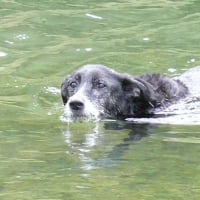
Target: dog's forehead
[(91, 71)]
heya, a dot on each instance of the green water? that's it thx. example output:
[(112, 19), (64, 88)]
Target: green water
[(42, 157)]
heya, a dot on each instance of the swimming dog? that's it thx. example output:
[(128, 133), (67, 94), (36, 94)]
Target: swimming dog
[(96, 91)]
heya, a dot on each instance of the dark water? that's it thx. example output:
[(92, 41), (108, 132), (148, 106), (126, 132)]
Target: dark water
[(42, 157)]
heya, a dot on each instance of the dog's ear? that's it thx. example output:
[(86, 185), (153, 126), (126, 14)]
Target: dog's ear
[(139, 89), (64, 92)]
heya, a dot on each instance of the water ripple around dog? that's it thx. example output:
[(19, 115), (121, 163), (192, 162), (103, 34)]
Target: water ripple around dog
[(184, 112)]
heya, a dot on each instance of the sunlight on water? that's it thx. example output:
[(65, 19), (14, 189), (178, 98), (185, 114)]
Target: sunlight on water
[(2, 54), (93, 16)]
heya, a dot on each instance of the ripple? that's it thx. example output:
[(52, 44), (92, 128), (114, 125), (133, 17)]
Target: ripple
[(146, 39), (22, 36), (93, 16), (52, 90), (9, 42), (183, 140), (88, 49), (3, 54)]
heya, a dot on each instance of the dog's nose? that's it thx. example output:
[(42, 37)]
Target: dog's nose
[(76, 105)]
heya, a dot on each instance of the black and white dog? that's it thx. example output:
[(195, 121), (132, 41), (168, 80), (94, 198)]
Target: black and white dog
[(96, 91)]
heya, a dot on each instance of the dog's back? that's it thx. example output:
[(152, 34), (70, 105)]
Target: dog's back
[(168, 89)]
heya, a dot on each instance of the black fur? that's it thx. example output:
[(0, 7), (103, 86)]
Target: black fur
[(118, 95)]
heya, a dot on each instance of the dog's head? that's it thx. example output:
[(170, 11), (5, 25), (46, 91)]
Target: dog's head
[(96, 91)]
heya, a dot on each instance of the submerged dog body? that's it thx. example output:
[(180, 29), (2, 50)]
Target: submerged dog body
[(96, 91)]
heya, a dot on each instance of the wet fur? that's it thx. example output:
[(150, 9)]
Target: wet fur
[(96, 91)]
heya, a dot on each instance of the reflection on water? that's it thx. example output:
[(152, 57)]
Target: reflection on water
[(84, 143)]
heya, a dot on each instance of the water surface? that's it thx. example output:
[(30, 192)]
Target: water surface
[(42, 157)]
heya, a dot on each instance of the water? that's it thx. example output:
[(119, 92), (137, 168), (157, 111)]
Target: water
[(43, 158)]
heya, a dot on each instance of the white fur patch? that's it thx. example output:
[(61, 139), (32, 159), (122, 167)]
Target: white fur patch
[(89, 112)]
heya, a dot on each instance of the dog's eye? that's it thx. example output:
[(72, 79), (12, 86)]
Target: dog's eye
[(73, 84), (101, 85)]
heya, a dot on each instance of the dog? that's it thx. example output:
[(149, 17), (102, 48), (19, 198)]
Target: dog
[(96, 91)]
